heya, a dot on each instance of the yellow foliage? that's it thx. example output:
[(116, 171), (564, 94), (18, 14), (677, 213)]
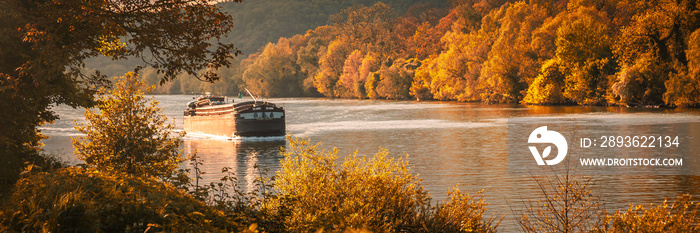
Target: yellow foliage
[(509, 70), (359, 193), (129, 133), (370, 64), (420, 87), (375, 193), (111, 46), (584, 49), (680, 216), (683, 88), (82, 200), (331, 67), (547, 87), (351, 81)]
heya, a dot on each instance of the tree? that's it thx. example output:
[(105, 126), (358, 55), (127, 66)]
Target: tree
[(568, 204), (331, 67), (395, 81), (43, 46), (129, 133), (350, 80), (370, 64), (683, 89), (275, 72), (584, 47), (367, 26), (453, 74), (652, 50), (426, 39), (79, 200), (679, 215), (511, 66), (547, 88)]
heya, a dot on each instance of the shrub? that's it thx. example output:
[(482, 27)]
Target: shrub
[(129, 133), (680, 216), (80, 200), (568, 205), (460, 212), (376, 193)]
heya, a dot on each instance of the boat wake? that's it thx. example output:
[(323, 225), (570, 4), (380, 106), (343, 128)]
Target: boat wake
[(202, 136), (430, 124)]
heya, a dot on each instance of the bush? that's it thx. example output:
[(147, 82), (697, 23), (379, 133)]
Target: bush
[(680, 216), (32, 162), (129, 133), (376, 193), (80, 200), (567, 205), (460, 213)]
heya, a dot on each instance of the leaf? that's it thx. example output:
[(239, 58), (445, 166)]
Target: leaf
[(546, 151)]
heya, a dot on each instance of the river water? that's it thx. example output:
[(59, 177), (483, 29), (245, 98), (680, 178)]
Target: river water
[(447, 144)]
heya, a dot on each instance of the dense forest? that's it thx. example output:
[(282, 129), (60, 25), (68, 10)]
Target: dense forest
[(257, 23), (588, 52)]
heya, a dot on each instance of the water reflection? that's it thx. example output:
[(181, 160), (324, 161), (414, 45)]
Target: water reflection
[(240, 156)]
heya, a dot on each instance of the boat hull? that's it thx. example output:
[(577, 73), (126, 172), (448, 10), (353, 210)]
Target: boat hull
[(244, 120), (260, 127), (221, 125)]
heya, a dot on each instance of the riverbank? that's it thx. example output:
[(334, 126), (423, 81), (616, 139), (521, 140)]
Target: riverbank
[(314, 190)]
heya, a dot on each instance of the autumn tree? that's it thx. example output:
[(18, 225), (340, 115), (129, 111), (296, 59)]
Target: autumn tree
[(129, 133), (420, 86), (368, 27), (331, 66), (395, 81), (44, 45), (275, 72), (543, 42), (318, 190), (370, 65), (350, 79), (584, 47), (652, 49), (548, 86), (510, 67), (425, 41), (454, 73), (683, 88), (358, 28), (309, 55)]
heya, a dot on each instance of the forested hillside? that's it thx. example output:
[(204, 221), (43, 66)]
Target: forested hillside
[(259, 22), (587, 52)]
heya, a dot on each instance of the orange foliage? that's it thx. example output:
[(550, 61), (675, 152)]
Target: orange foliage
[(607, 52)]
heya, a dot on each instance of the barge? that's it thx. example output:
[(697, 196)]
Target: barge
[(211, 115)]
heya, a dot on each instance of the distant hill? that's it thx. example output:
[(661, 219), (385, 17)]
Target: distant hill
[(258, 22)]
